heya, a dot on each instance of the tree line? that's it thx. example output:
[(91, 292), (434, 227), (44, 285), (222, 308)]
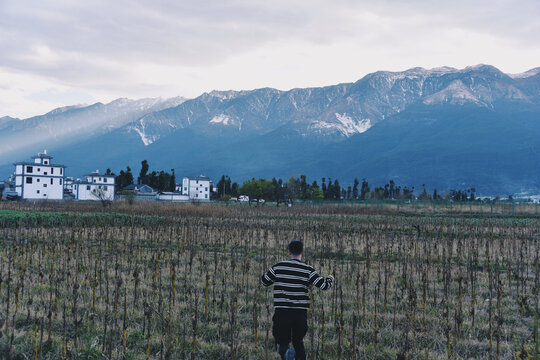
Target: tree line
[(300, 188), (292, 188), (161, 181), (328, 189)]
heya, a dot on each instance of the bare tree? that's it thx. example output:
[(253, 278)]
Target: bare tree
[(103, 196)]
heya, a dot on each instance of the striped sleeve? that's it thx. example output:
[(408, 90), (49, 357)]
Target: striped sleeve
[(318, 281), (269, 277)]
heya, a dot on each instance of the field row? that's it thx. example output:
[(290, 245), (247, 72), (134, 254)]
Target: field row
[(187, 287)]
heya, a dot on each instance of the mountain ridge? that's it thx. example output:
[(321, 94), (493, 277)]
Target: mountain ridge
[(321, 131)]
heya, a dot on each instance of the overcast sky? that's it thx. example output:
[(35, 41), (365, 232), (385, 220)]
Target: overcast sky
[(65, 52)]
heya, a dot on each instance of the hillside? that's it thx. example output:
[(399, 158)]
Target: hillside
[(444, 127)]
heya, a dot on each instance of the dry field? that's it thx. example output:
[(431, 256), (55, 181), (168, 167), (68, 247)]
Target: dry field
[(181, 281)]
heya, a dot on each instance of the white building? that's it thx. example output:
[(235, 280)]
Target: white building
[(39, 180), (95, 186), (196, 187)]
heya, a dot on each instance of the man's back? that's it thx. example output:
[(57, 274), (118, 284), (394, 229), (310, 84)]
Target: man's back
[(291, 279)]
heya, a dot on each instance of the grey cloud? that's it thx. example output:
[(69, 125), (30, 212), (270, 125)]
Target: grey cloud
[(184, 34), (98, 41)]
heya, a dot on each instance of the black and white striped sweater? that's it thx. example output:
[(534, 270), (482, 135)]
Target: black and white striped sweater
[(291, 279)]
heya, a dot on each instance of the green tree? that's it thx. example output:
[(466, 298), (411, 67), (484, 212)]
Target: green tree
[(303, 188), (424, 195), (355, 189), (223, 186), (392, 190), (329, 194), (386, 191), (142, 179), (152, 180), (163, 181), (293, 187), (317, 194), (172, 181), (337, 190), (364, 190), (124, 179), (234, 189)]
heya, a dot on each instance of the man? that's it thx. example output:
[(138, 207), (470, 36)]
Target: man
[(291, 279)]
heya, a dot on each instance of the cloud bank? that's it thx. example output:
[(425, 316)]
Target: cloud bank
[(57, 52)]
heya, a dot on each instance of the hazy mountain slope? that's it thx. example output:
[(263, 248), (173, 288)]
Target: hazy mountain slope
[(444, 127), (70, 124), (448, 147)]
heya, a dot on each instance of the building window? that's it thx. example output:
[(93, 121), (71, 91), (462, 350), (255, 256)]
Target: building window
[(45, 162), (185, 189), (87, 187), (105, 187), (45, 173), (52, 171), (44, 185), (99, 179), (39, 169), (60, 181), (37, 191), (205, 189), (37, 179), (29, 169), (28, 180), (104, 179), (51, 181), (61, 171)]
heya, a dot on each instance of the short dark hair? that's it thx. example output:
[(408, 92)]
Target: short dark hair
[(296, 247)]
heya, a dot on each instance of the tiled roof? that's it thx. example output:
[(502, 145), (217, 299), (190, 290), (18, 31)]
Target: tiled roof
[(34, 164), (203, 178), (94, 174)]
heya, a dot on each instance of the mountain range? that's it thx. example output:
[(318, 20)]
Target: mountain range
[(445, 128)]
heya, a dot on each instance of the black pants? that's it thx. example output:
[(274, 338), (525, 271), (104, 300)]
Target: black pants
[(290, 324)]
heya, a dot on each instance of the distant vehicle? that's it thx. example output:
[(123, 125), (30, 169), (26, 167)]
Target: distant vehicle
[(253, 200), (11, 195), (262, 201), (243, 198), (233, 199)]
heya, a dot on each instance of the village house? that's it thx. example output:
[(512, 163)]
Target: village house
[(140, 192), (95, 186), (43, 180), (40, 179), (197, 188)]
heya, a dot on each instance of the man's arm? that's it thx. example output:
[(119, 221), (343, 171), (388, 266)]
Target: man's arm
[(269, 277), (320, 282)]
